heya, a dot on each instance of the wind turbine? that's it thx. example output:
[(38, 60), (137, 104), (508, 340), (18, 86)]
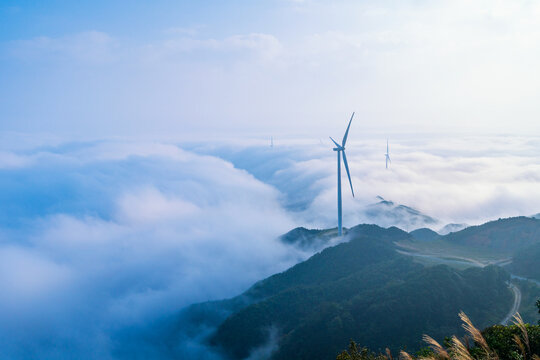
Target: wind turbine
[(387, 155), (341, 149)]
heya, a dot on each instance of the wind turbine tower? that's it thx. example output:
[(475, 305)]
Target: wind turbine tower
[(341, 149), (387, 155)]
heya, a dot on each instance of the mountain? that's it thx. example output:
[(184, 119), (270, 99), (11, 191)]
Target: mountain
[(335, 262), (310, 239), (450, 228), (510, 234), (526, 262), (383, 213), (386, 213), (424, 234), (362, 289)]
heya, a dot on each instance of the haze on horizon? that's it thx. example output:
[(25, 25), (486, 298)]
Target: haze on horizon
[(282, 67)]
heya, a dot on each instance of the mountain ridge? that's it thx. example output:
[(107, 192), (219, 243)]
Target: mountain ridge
[(327, 294)]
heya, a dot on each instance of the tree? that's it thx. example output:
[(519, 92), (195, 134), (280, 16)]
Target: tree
[(353, 353), (538, 304)]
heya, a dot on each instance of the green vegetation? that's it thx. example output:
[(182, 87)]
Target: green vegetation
[(364, 290), (518, 341), (527, 262), (530, 292), (369, 246), (367, 291), (309, 238), (502, 340), (424, 234), (354, 353), (503, 234), (495, 242)]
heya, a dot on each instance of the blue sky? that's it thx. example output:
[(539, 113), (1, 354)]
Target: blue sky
[(136, 20), (136, 175), (106, 69)]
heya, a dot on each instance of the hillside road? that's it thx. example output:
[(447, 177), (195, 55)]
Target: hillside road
[(473, 262), (515, 306)]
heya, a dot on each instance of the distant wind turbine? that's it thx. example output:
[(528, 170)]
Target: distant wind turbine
[(387, 155), (341, 149), (271, 141)]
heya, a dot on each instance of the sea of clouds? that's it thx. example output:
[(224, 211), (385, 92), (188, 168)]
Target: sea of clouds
[(102, 239), (459, 179)]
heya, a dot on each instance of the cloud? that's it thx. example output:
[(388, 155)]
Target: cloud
[(453, 179), (26, 278), (123, 235), (459, 67), (149, 205), (264, 47), (102, 243)]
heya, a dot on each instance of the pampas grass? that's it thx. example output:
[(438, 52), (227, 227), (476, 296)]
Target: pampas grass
[(457, 349)]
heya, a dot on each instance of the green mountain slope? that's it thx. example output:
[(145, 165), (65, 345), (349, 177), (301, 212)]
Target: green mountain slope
[(309, 238), (504, 234), (370, 244), (364, 290), (424, 234), (526, 262)]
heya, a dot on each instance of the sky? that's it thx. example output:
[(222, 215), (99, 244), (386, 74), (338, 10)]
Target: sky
[(136, 173), (283, 67)]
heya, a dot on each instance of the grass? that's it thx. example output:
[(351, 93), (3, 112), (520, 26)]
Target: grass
[(455, 348)]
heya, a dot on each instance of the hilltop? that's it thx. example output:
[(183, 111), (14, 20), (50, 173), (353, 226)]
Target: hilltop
[(493, 242), (387, 213), (504, 234), (364, 289)]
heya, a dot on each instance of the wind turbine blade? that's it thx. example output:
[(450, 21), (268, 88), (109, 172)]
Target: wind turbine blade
[(339, 146), (389, 159), (347, 132), (348, 173)]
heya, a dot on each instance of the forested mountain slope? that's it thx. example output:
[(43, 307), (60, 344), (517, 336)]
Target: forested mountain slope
[(504, 234), (362, 289)]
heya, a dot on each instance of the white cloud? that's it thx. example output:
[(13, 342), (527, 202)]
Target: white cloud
[(265, 46), (453, 179), (26, 278), (458, 66), (145, 231), (149, 205), (115, 235)]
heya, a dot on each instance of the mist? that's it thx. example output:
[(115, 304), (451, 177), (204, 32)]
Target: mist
[(104, 242), (100, 238), (197, 69), (465, 179)]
